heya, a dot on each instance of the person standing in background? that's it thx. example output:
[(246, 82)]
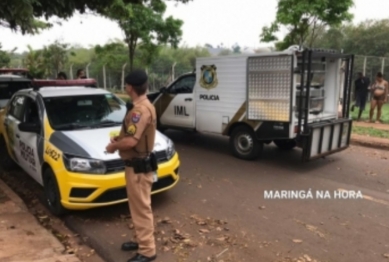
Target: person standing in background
[(80, 74), (379, 91), (62, 76), (361, 92)]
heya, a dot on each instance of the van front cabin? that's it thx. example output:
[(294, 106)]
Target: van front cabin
[(290, 98)]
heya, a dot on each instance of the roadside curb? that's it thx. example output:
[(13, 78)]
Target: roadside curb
[(12, 195), (100, 250), (41, 244), (376, 143)]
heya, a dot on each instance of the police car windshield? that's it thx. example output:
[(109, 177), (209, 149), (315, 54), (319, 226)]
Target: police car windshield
[(86, 111)]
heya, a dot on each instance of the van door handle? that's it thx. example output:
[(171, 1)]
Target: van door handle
[(17, 136), (188, 99)]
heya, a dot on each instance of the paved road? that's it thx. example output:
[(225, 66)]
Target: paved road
[(218, 211)]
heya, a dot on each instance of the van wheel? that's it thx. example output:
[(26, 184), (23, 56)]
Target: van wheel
[(285, 144), (52, 194), (7, 163), (244, 144)]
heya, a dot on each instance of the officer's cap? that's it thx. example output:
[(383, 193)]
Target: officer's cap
[(136, 78)]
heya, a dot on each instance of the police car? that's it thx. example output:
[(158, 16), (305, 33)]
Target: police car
[(57, 132)]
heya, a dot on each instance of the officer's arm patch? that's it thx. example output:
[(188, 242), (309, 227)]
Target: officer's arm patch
[(131, 130), (135, 116)]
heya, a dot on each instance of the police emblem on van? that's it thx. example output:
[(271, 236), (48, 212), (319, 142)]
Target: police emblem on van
[(208, 78)]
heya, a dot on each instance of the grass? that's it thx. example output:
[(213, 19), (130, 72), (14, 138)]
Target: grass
[(369, 131), (365, 114)]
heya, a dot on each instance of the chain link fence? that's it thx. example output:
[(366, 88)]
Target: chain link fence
[(369, 66), (112, 77)]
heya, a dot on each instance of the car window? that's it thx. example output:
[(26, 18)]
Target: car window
[(16, 108), (73, 112), (4, 91), (184, 85), (31, 113), (7, 89)]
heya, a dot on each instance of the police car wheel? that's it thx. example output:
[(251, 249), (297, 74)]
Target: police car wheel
[(285, 144), (52, 194), (244, 144), (7, 163)]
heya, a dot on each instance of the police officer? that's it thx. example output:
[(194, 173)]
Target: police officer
[(135, 143)]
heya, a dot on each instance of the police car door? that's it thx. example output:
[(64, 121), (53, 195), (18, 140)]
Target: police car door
[(30, 139), (12, 119), (178, 97)]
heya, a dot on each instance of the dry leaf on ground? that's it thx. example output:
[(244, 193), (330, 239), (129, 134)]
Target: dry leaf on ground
[(297, 241)]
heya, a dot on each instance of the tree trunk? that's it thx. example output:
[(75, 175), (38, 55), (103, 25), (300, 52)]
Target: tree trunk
[(131, 57), (131, 48)]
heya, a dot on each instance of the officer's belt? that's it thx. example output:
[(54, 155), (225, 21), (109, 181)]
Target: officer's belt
[(130, 163)]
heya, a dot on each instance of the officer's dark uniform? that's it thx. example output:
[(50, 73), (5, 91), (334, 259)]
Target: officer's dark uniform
[(140, 123)]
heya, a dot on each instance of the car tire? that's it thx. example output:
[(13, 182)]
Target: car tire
[(244, 144), (285, 144), (7, 163), (52, 194)]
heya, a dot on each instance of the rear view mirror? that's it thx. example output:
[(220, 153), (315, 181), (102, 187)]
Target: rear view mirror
[(30, 127)]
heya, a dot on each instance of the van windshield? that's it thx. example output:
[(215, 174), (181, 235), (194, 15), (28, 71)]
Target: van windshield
[(7, 89), (86, 111)]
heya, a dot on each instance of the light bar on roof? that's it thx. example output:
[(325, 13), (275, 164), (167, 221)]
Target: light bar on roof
[(59, 83), (13, 70)]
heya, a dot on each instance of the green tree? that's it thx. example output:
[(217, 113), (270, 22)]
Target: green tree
[(303, 18), (332, 38), (34, 62), (113, 56), (144, 25), (236, 49), (23, 15), (81, 57), (55, 57), (5, 59), (368, 38)]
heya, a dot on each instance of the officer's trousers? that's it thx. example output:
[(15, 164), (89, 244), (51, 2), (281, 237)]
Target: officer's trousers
[(139, 199)]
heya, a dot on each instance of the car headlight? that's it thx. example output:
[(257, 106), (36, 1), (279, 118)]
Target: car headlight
[(83, 165), (170, 150)]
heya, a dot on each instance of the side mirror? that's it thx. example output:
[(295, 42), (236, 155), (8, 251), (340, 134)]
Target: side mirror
[(163, 90), (30, 127)]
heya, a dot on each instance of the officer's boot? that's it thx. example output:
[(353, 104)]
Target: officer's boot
[(142, 258), (130, 246)]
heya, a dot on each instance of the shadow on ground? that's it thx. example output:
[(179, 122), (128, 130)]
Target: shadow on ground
[(271, 156)]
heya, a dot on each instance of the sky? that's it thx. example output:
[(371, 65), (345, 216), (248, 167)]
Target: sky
[(205, 21)]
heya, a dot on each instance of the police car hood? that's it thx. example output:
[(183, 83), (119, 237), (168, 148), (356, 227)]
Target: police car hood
[(91, 143)]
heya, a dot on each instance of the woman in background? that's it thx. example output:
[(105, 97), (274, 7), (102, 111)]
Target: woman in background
[(379, 92), (62, 76)]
